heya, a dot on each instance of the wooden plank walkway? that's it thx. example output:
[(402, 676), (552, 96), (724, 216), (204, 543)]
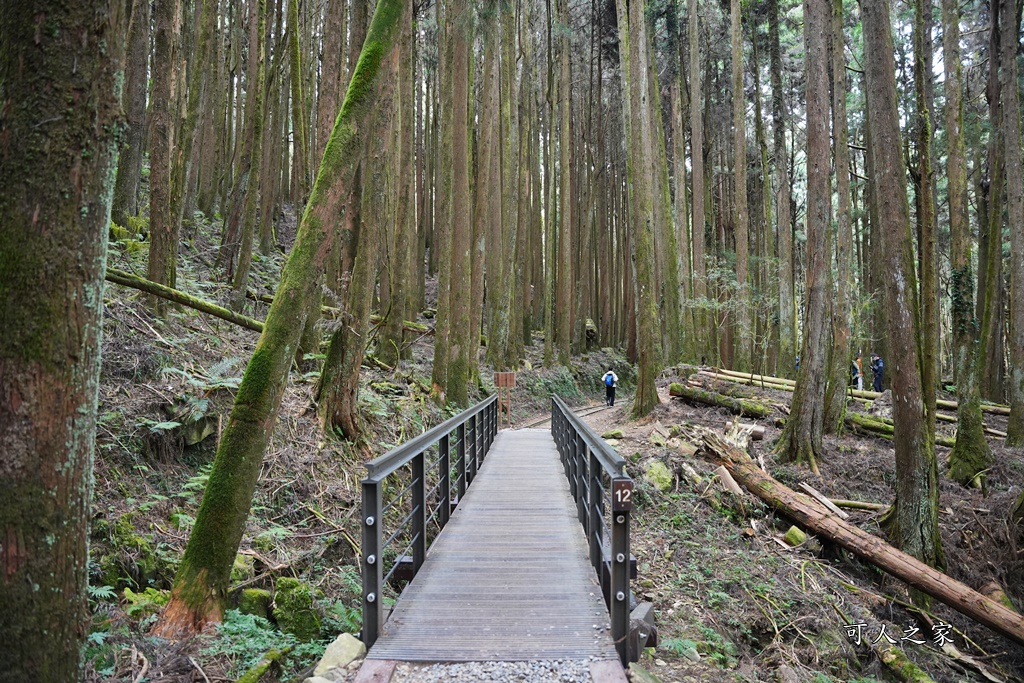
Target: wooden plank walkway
[(508, 579)]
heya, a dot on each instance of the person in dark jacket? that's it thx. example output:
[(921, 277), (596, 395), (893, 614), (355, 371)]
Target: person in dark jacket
[(877, 370)]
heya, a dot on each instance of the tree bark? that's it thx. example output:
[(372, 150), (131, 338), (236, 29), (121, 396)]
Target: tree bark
[(1015, 216), (697, 225), (971, 454), (129, 166), (163, 229), (639, 172), (565, 276), (200, 586), (913, 523), (801, 440), (55, 212), (842, 311), (460, 341), (744, 294)]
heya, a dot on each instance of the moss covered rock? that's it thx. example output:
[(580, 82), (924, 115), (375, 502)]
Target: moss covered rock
[(255, 601), (293, 609), (659, 476), (612, 434), (243, 568)]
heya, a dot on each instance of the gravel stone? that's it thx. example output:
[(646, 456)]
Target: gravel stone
[(548, 671)]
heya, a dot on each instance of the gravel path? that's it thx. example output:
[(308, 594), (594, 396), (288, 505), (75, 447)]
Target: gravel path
[(554, 671)]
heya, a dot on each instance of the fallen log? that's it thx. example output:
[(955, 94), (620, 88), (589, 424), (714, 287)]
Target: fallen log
[(744, 380), (738, 406), (757, 380), (813, 516), (859, 505), (119, 277), (882, 428), (756, 431)]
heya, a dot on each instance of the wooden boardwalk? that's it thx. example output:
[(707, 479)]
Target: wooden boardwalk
[(508, 579)]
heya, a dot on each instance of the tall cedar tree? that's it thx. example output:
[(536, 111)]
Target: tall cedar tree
[(640, 179), (58, 163), (136, 85), (163, 229), (913, 520), (801, 438), (744, 294), (842, 312), (1015, 215), (698, 221), (787, 300), (200, 586), (971, 454)]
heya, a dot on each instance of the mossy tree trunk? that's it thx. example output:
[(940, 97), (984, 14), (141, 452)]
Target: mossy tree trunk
[(801, 439), (201, 583), (1015, 216), (913, 520), (136, 86), (58, 163), (971, 454)]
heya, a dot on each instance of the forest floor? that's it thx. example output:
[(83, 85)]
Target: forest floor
[(733, 603)]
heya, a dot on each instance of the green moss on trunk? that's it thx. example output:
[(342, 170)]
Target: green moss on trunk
[(202, 579)]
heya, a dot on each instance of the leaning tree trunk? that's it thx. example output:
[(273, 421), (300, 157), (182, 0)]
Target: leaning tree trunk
[(971, 454), (913, 521), (1015, 215), (201, 584), (801, 439), (55, 212)]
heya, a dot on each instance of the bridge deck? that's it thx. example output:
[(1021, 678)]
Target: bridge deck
[(508, 579)]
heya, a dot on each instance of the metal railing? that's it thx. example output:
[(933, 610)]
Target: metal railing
[(413, 506), (598, 481)]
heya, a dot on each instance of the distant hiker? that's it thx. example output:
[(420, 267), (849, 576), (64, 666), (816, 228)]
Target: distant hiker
[(857, 373), (798, 363), (877, 370), (610, 380)]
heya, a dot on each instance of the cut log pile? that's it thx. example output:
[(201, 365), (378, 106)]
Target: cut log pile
[(817, 518)]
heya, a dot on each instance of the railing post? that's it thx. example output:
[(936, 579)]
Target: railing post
[(582, 453), (472, 447), (444, 463), (619, 602), (419, 506), (373, 572), (595, 512), (570, 448), (460, 451)]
